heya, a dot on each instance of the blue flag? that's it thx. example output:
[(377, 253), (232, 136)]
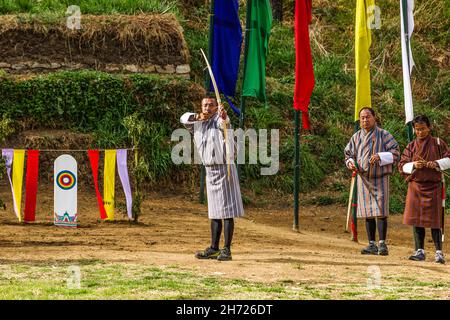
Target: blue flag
[(226, 45)]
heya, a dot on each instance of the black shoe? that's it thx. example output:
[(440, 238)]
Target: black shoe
[(383, 249), (371, 249), (419, 255), (439, 257), (208, 253), (225, 254)]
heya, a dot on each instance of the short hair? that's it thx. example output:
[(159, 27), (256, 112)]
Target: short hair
[(422, 119), (367, 108), (210, 97)]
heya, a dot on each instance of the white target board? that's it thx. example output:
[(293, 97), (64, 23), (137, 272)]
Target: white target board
[(65, 191)]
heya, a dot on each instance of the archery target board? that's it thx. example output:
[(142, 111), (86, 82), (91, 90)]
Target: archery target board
[(65, 191)]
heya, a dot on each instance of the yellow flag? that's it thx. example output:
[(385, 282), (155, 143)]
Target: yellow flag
[(363, 41), (17, 179), (109, 182)]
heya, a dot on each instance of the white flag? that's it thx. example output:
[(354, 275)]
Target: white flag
[(407, 60)]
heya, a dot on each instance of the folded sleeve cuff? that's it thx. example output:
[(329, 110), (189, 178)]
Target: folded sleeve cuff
[(444, 164), (220, 121), (386, 158), (408, 167), (185, 118), (349, 160)]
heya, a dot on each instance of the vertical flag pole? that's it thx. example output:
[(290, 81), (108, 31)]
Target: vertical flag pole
[(207, 82), (304, 85), (243, 100), (405, 40), (241, 126), (296, 170), (409, 128), (354, 192)]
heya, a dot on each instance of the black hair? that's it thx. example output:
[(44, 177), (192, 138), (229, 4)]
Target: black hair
[(422, 119), (367, 108), (208, 96)]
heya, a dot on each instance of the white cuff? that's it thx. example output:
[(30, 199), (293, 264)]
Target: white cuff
[(220, 121), (408, 167), (386, 158), (349, 160), (185, 118), (444, 164)]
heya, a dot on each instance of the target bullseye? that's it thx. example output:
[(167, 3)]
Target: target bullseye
[(66, 180)]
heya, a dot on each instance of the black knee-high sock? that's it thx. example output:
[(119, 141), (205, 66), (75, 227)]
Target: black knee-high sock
[(228, 232), (382, 228), (216, 230), (420, 236), (371, 228), (416, 241), (437, 238)]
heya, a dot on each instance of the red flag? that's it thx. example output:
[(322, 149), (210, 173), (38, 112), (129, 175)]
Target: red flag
[(304, 72), (94, 156), (31, 185)]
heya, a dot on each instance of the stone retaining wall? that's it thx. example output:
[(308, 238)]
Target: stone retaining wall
[(39, 67)]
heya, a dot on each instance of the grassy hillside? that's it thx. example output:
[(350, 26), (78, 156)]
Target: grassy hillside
[(332, 104)]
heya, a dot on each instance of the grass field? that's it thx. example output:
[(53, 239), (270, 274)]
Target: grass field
[(101, 280)]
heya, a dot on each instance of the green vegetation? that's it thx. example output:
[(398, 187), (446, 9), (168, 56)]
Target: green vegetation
[(101, 104), (7, 128), (2, 173)]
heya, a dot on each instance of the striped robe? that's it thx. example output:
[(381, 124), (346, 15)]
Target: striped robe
[(373, 180), (224, 194), (423, 206)]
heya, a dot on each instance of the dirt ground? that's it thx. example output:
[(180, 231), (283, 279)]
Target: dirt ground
[(172, 227)]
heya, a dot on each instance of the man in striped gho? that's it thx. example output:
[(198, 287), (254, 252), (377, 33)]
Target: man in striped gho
[(422, 164), (224, 193), (372, 153)]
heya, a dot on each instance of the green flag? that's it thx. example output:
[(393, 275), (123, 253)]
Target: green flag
[(259, 23)]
